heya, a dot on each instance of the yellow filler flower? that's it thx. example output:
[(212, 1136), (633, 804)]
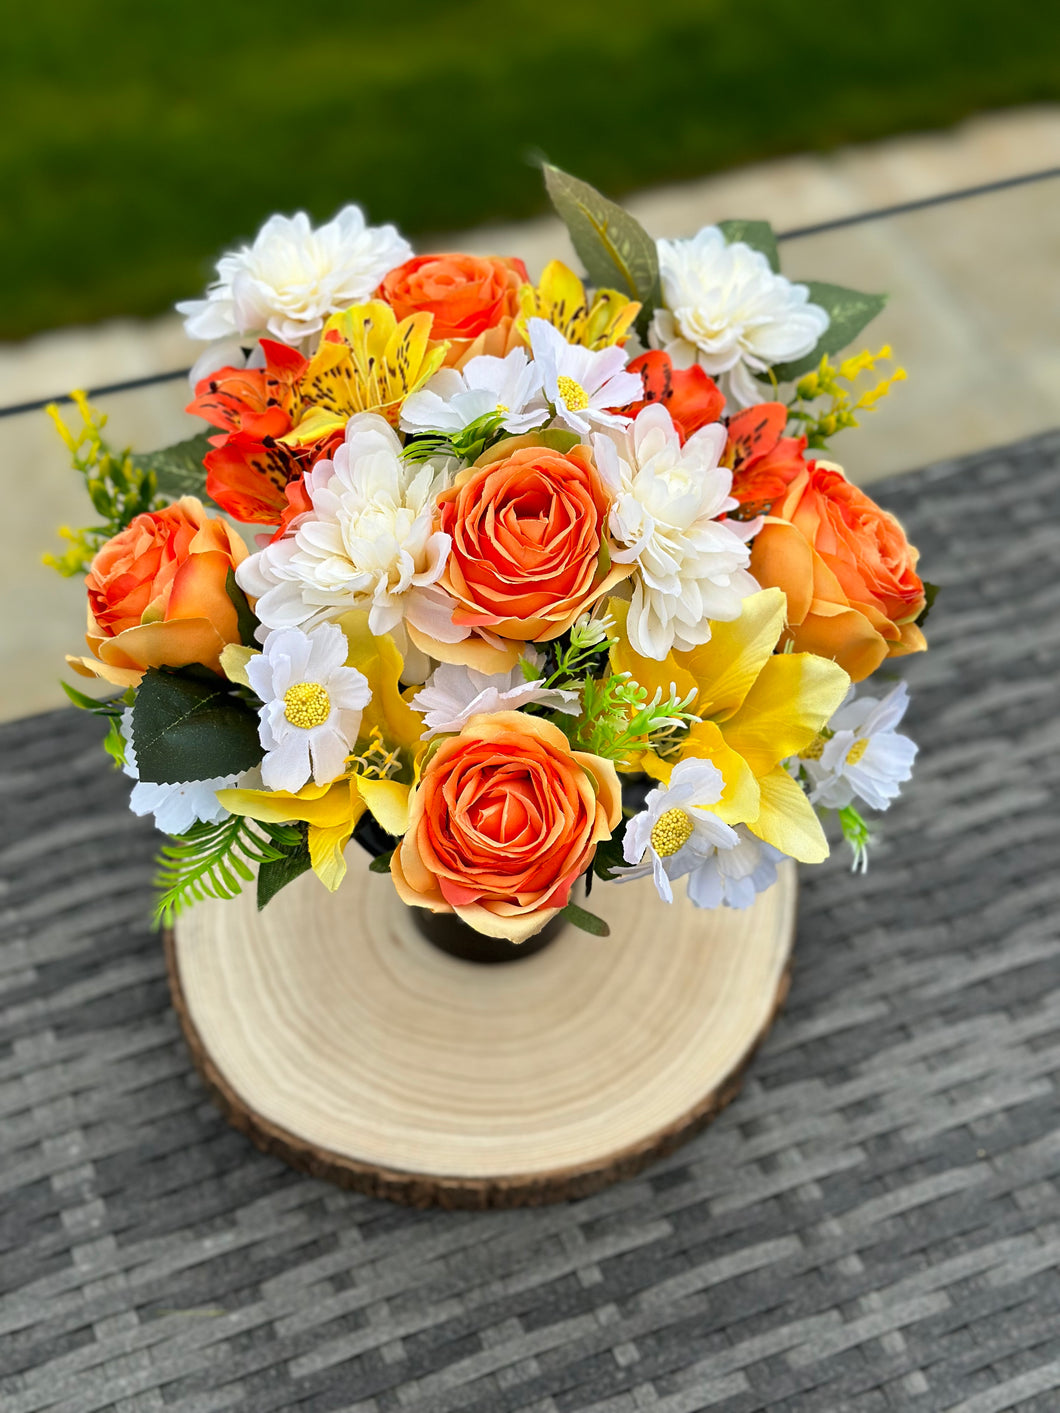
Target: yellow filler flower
[(758, 708)]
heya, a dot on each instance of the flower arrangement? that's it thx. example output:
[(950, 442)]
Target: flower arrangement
[(550, 579)]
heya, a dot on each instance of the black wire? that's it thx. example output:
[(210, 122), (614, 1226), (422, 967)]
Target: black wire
[(796, 233)]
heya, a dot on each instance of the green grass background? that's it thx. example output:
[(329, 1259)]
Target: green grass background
[(139, 141)]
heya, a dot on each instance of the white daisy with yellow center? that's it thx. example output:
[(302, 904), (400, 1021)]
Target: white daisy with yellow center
[(582, 385), (452, 400), (864, 756), (677, 830), (311, 706)]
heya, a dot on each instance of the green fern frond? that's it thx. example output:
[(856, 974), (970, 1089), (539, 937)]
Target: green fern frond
[(215, 860)]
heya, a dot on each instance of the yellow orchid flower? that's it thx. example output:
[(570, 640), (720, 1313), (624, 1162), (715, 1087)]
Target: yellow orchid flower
[(382, 770), (757, 707), (560, 299), (366, 362)]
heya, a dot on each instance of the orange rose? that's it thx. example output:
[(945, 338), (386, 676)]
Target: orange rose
[(504, 820), (529, 552), (847, 569), (474, 301), (157, 595)]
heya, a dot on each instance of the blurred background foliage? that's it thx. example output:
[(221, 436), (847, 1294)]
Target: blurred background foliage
[(139, 141)]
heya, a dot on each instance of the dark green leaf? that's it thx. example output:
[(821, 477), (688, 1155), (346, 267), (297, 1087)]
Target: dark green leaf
[(617, 252), (757, 234), (931, 593), (246, 619), (188, 726), (848, 311), (275, 874), (587, 921), (178, 468), (381, 862), (609, 856)]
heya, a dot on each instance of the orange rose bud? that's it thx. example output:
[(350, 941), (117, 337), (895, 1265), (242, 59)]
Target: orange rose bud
[(157, 595), (504, 820), (474, 301), (529, 549), (847, 569)]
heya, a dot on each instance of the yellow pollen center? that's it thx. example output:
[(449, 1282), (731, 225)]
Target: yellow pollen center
[(502, 407), (857, 750), (572, 393), (306, 704), (814, 749), (670, 831)]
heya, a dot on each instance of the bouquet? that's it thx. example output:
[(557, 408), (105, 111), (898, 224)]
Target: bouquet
[(549, 579)]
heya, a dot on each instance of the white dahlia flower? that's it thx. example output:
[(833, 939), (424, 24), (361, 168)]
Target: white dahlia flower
[(293, 277), (367, 543), (725, 309), (692, 567)]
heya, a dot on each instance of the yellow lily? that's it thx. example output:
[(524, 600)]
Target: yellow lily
[(560, 299), (366, 362), (383, 768), (757, 707)]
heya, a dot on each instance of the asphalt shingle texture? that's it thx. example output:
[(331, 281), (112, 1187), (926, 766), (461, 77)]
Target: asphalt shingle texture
[(873, 1225)]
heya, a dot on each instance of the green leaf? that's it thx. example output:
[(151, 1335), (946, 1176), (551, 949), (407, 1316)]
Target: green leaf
[(587, 921), (848, 311), (274, 874), (609, 856), (114, 742), (178, 468), (617, 252), (246, 619), (757, 234), (189, 726), (381, 862), (106, 706), (931, 593), (215, 860)]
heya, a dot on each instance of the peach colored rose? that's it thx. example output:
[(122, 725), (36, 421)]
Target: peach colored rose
[(157, 595), (505, 818), (474, 301), (847, 569), (529, 550)]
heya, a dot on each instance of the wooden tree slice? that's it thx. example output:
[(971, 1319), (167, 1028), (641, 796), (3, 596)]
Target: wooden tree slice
[(334, 1035)]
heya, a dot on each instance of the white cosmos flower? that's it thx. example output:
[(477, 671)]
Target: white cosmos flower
[(725, 309), (293, 277), (667, 500), (866, 756), (367, 544), (580, 384), (453, 400), (311, 705), (453, 694), (676, 830), (733, 877), (175, 807)]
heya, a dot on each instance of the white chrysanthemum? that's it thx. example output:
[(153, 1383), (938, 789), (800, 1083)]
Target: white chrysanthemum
[(453, 400), (175, 807), (732, 878), (676, 830), (367, 544), (581, 385), (311, 705), (454, 694), (866, 756), (293, 277), (667, 500), (725, 309)]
